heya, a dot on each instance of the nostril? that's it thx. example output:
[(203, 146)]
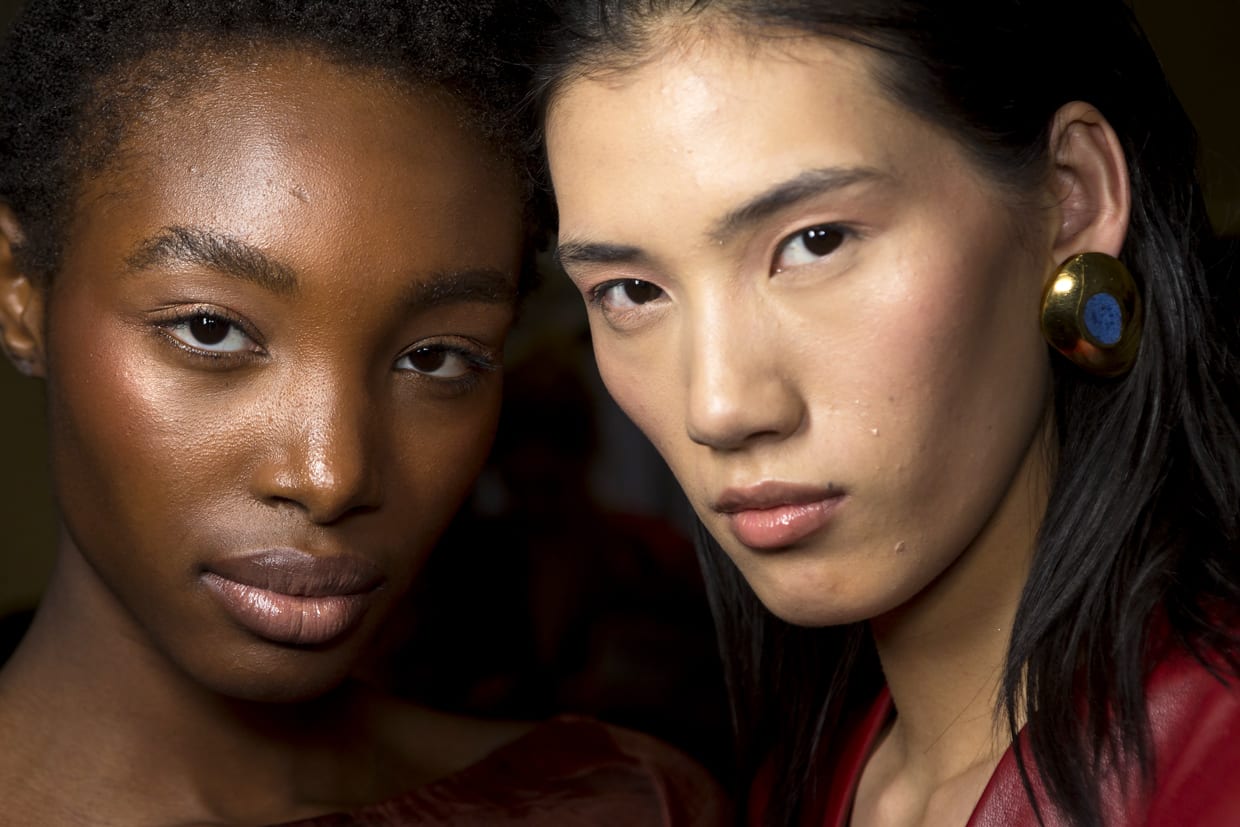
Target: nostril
[(325, 472), (730, 414)]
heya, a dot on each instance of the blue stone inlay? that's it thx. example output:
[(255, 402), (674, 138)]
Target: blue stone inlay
[(1103, 318)]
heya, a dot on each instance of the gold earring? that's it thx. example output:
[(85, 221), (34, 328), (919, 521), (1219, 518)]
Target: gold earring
[(1091, 313)]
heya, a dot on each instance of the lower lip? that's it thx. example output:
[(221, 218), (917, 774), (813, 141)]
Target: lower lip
[(294, 620), (783, 525)]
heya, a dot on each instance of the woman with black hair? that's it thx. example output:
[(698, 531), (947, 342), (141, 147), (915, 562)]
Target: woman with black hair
[(960, 576), (264, 256)]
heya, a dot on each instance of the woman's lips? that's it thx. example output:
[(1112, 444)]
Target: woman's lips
[(291, 597), (775, 515)]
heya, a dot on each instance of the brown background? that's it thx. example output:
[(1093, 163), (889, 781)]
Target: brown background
[(1198, 40)]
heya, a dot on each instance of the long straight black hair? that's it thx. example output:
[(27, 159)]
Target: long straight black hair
[(1142, 517)]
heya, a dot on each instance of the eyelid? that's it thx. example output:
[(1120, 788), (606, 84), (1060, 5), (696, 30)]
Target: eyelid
[(847, 231), (175, 316), (479, 356), (188, 312), (624, 319), (480, 361), (596, 296), (595, 293)]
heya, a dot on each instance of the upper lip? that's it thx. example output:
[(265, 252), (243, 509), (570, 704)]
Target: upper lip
[(295, 572), (772, 494)]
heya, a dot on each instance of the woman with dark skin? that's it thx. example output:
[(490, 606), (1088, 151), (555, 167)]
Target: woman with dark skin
[(264, 257), (824, 245)]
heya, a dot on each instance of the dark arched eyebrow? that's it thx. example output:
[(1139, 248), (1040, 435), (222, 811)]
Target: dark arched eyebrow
[(811, 183), (193, 246), (198, 247), (481, 285), (585, 252)]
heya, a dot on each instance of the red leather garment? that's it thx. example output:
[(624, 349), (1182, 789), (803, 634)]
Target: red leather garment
[(1195, 722)]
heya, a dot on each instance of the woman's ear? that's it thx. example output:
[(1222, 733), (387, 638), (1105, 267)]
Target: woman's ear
[(21, 304), (1090, 184)]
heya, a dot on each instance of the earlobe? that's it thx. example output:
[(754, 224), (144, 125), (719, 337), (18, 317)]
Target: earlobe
[(1091, 306), (21, 303), (1091, 183)]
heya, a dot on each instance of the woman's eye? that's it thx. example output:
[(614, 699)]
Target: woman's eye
[(437, 361), (627, 294), (809, 246), (210, 333)]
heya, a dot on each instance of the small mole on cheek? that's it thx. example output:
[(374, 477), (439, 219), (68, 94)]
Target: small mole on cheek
[(300, 194), (900, 547)]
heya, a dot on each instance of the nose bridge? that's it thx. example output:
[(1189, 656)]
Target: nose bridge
[(737, 386), (326, 460)]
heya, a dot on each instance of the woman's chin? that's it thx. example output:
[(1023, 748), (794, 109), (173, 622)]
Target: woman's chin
[(822, 595), (802, 605), (284, 675)]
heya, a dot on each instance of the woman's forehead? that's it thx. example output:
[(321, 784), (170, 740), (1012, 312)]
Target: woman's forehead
[(713, 124), (298, 153)]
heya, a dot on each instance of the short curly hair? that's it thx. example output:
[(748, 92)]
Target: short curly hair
[(73, 74)]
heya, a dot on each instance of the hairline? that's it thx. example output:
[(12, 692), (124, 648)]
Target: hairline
[(166, 71), (684, 29)]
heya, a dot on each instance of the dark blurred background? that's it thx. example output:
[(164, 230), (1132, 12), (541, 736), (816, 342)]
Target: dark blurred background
[(568, 583)]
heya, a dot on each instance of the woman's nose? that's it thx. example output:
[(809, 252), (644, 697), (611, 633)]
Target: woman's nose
[(739, 388), (322, 456)]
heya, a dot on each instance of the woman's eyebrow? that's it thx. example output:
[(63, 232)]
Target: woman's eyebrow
[(806, 185), (233, 257), (218, 251), (473, 285), (572, 251)]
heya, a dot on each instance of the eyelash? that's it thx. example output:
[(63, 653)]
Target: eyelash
[(844, 233), (193, 314), (598, 293), (596, 297), (841, 233), (478, 360), (478, 363)]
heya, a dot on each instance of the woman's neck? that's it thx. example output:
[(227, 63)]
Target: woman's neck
[(943, 656), (88, 703)]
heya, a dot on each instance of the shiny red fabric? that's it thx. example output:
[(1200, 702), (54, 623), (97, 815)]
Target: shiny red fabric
[(1195, 722), (567, 771)]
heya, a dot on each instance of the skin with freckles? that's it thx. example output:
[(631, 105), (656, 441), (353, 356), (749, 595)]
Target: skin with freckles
[(271, 358), (824, 314)]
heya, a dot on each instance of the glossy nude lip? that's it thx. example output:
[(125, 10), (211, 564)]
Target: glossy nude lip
[(774, 515), (292, 597)]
